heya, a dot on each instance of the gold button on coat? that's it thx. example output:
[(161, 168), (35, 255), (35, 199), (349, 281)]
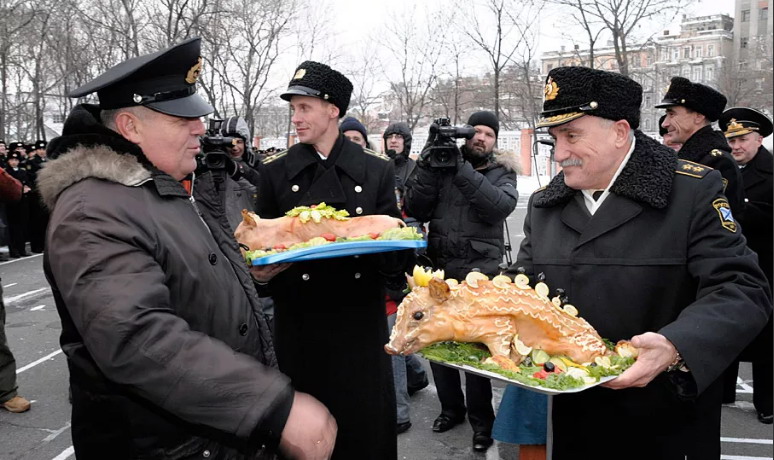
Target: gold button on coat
[(358, 210), (358, 189)]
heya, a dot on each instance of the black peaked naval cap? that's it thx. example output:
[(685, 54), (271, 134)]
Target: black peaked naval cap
[(164, 81), (319, 80), (695, 96), (738, 121), (572, 92)]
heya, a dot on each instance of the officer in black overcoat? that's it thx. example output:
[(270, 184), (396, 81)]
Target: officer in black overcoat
[(18, 211), (330, 318), (647, 249), (690, 110), (745, 129), (38, 213)]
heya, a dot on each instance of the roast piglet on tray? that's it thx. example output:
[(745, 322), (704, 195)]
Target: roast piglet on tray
[(508, 316), (304, 223)]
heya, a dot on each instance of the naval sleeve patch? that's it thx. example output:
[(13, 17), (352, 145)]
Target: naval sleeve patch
[(724, 212), (275, 157), (376, 154)]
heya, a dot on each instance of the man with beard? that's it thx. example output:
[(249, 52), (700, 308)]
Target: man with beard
[(690, 110), (745, 129), (466, 206)]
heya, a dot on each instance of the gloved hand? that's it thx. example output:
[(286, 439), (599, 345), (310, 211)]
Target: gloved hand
[(233, 169)]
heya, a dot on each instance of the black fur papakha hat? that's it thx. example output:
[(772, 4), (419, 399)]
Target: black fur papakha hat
[(572, 92), (738, 121), (319, 80), (164, 81), (695, 96)]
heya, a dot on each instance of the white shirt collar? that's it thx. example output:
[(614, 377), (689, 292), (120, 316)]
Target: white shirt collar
[(588, 198)]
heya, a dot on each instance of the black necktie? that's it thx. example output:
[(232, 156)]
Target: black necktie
[(597, 194)]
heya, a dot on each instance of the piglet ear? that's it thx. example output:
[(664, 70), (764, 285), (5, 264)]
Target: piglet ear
[(439, 290)]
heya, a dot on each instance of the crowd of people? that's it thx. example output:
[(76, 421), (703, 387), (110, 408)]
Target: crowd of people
[(176, 349)]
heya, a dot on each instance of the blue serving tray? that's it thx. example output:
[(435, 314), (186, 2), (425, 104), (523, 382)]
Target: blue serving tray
[(349, 248)]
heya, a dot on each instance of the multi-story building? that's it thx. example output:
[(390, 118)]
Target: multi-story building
[(697, 51), (752, 27)]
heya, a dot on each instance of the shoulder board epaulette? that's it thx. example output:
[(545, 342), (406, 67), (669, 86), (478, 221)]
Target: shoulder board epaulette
[(716, 153), (275, 157), (540, 189), (689, 168), (376, 154)]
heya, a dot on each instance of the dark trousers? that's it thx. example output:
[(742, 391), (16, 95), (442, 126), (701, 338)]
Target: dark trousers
[(7, 361), (478, 395), (18, 217), (759, 353), (38, 221)]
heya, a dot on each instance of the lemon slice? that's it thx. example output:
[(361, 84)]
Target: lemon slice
[(571, 310), (440, 274), (542, 290), (452, 282), (421, 276), (603, 361), (316, 216), (521, 281), (501, 281), (557, 302), (473, 278), (520, 347)]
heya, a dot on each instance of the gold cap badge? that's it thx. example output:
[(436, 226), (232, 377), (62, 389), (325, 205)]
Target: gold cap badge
[(551, 90), (299, 74), (193, 72)]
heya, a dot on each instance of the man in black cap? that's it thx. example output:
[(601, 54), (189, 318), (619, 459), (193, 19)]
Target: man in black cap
[(466, 206), (18, 212), (745, 129), (645, 245), (38, 212), (3, 153), (168, 353), (353, 130), (330, 321), (690, 110)]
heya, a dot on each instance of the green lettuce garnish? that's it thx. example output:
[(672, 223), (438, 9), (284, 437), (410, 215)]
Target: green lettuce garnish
[(317, 213)]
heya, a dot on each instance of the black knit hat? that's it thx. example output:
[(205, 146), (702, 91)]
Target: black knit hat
[(352, 124), (695, 96), (485, 118), (738, 121), (164, 81), (319, 80), (572, 92)]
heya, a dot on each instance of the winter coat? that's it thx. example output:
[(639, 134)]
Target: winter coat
[(466, 209), (240, 194), (709, 147), (169, 355), (757, 220), (661, 254), (330, 322)]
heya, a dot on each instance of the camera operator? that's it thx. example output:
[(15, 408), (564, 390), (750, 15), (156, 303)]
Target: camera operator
[(241, 185), (466, 195)]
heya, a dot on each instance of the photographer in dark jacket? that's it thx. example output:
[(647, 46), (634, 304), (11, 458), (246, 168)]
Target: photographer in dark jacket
[(242, 188), (466, 206)]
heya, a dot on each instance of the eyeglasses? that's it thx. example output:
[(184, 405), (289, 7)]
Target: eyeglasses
[(394, 136)]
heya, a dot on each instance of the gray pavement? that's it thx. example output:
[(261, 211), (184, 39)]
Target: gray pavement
[(43, 433)]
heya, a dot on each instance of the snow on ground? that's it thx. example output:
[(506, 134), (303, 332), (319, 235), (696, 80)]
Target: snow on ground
[(528, 184)]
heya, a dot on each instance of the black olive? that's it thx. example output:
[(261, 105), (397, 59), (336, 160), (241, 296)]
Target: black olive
[(593, 365), (521, 270), (560, 292), (541, 276), (418, 315), (476, 269), (549, 366), (564, 299)]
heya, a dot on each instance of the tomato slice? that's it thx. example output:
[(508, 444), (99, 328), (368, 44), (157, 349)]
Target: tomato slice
[(373, 235), (329, 236)]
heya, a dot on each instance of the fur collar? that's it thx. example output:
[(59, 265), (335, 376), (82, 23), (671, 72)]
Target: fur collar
[(701, 143), (508, 160), (646, 178), (82, 162)]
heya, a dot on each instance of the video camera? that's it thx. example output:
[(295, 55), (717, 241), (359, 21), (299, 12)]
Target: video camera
[(443, 152), (214, 155)]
